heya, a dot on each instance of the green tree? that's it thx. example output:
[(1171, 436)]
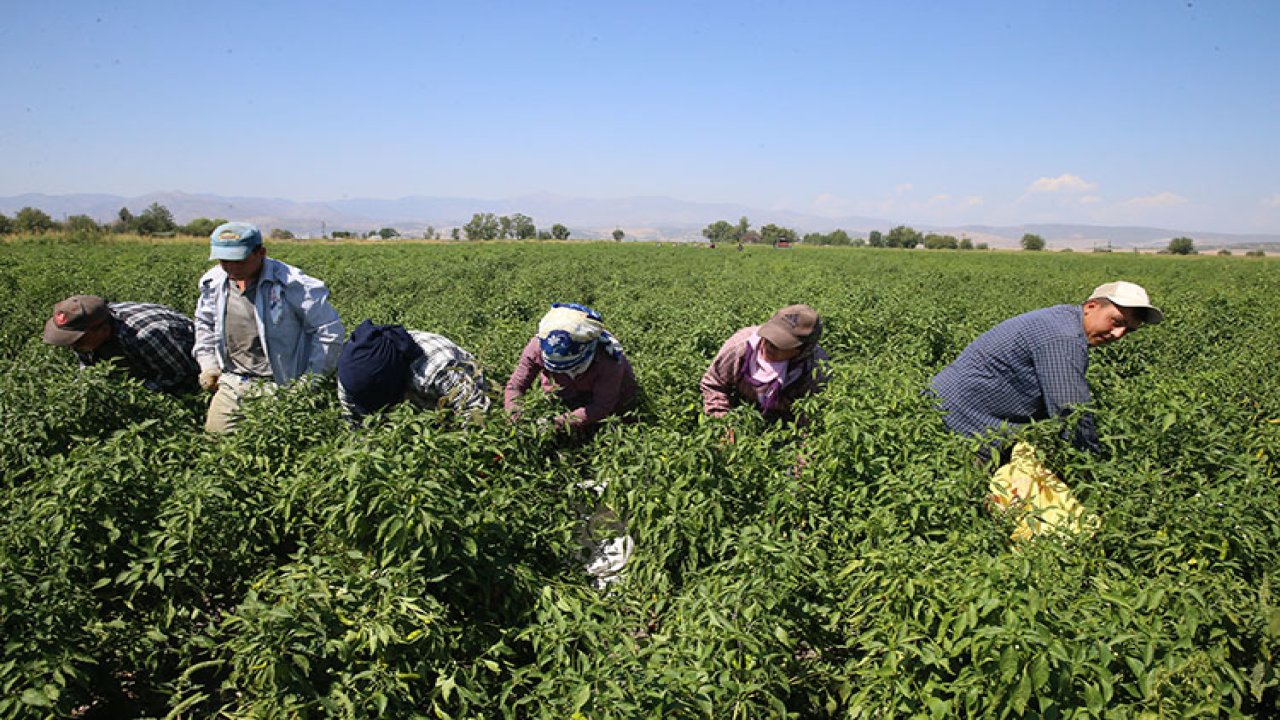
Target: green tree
[(83, 224), (281, 234), (839, 237), (1031, 241), (33, 220), (559, 232), (719, 231), (455, 233), (483, 226), (741, 229), (966, 244), (429, 233), (1224, 251), (387, 233), (201, 226), (903, 237), (125, 222), (814, 238), (774, 234), (618, 235), (522, 227), (875, 239), (154, 220), (1182, 246), (6, 225), (934, 241)]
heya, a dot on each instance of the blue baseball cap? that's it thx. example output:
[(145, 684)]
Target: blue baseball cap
[(233, 241)]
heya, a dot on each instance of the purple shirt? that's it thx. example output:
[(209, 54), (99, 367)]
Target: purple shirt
[(725, 384), (605, 388)]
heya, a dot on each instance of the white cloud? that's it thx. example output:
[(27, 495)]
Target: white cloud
[(1065, 183), (903, 189), (1090, 200), (1272, 202), (1164, 199)]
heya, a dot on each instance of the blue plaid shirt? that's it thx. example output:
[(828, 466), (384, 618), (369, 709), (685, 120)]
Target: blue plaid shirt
[(1029, 367)]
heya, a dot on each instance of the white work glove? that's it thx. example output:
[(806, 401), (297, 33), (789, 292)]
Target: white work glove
[(209, 378)]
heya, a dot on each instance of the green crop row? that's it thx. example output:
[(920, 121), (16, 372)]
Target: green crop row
[(418, 568)]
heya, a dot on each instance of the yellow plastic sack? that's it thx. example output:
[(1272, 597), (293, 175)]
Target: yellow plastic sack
[(1042, 501)]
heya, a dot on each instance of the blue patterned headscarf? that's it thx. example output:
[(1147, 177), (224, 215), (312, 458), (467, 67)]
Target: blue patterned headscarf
[(569, 335)]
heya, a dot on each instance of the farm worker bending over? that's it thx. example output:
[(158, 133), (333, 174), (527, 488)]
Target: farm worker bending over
[(768, 366), (259, 323), (578, 360), (381, 365), (150, 342), (1032, 367)]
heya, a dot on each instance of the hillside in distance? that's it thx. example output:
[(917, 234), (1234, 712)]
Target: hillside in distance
[(645, 218)]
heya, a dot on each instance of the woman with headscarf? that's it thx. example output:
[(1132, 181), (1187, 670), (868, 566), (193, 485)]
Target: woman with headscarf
[(578, 360), (768, 366)]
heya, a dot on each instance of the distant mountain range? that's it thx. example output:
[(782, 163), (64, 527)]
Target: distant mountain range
[(641, 218)]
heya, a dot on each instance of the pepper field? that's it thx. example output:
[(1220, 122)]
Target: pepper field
[(420, 568)]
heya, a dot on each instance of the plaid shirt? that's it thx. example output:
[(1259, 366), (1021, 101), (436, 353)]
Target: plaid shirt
[(445, 376), (153, 343), (1029, 367)]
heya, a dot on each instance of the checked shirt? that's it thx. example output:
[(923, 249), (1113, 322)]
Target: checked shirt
[(152, 343), (445, 376), (1029, 367)]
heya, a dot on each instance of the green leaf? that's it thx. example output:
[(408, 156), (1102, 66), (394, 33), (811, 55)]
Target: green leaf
[(780, 633), (1022, 693), (1040, 671), (1008, 663), (31, 696)]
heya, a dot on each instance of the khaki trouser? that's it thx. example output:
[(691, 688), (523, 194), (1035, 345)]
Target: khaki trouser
[(224, 408), (1044, 502)]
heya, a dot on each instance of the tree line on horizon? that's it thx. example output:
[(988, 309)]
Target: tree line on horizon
[(902, 236), (157, 220)]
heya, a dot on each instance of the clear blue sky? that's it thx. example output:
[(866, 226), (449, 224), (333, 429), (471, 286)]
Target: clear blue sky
[(1118, 112)]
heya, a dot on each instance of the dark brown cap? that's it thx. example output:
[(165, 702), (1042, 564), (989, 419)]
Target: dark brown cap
[(72, 317), (792, 326)]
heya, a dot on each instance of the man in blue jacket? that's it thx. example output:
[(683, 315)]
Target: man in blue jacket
[(259, 323)]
